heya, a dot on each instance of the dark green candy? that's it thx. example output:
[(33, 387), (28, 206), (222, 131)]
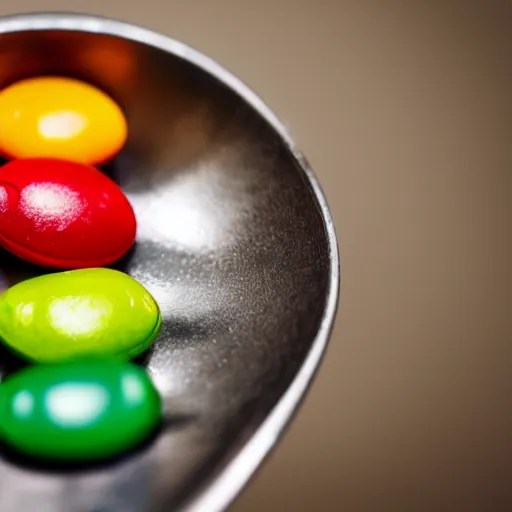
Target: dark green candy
[(77, 411)]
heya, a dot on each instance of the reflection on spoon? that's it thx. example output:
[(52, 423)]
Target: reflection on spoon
[(196, 211)]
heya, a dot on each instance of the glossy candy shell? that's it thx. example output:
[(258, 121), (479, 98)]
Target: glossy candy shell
[(60, 118), (64, 215), (69, 315), (78, 411)]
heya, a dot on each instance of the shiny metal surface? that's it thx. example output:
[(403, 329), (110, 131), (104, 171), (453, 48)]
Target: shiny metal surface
[(235, 242)]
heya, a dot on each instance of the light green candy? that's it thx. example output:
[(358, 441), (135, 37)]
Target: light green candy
[(80, 313)]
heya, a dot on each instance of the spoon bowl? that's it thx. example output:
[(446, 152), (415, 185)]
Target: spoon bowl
[(234, 241)]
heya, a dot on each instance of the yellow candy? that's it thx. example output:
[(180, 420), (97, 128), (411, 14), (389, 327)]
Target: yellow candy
[(58, 117)]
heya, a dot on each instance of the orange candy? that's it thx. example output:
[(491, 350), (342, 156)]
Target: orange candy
[(58, 117)]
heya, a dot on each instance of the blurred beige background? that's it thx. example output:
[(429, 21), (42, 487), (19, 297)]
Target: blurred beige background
[(404, 111)]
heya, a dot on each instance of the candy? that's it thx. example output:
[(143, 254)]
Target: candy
[(68, 315), (79, 411), (62, 214), (60, 118)]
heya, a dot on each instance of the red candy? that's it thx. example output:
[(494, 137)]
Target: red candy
[(56, 213)]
